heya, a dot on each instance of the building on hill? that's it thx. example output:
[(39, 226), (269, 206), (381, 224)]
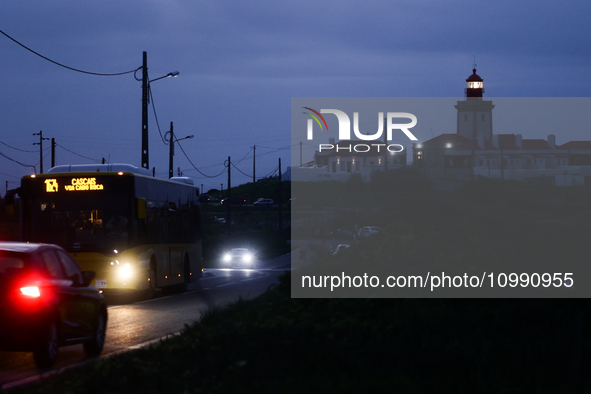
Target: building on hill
[(474, 150), (342, 161)]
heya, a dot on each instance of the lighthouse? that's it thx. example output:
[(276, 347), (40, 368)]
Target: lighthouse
[(474, 113)]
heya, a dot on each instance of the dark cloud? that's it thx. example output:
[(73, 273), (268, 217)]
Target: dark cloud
[(241, 62)]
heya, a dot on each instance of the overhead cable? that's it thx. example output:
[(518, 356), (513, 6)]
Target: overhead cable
[(77, 154), (205, 175), (18, 162), (156, 116), (22, 150), (63, 65)]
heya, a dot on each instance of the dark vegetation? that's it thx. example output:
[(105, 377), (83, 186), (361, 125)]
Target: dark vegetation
[(265, 188), (276, 344), (485, 225)]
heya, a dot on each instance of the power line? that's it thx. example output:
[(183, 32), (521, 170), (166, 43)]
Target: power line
[(63, 65), (155, 115), (258, 177), (247, 153), (269, 174), (18, 162), (22, 150), (89, 158), (205, 175), (47, 154), (268, 147), (240, 171)]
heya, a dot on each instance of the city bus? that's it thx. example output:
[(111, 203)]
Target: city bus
[(135, 231)]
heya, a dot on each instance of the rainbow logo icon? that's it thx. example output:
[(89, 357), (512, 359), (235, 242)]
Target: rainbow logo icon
[(316, 118)]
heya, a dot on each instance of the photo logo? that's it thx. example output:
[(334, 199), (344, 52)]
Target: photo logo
[(310, 124), (345, 128)]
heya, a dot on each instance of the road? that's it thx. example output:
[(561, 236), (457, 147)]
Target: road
[(137, 324)]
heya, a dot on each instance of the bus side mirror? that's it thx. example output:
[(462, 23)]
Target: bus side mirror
[(141, 208)]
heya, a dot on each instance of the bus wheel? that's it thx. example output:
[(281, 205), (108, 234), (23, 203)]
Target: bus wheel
[(186, 274)]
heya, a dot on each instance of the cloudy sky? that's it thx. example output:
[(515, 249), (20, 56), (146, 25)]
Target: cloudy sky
[(241, 63)]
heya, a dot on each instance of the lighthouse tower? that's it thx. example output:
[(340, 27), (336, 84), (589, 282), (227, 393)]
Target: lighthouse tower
[(474, 113)]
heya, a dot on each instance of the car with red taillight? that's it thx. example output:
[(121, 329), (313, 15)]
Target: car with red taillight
[(46, 301)]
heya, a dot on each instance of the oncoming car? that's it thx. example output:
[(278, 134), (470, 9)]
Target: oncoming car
[(265, 202), (368, 231), (47, 302), (238, 257)]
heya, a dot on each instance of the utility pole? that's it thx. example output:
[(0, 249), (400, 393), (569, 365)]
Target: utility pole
[(386, 151), (145, 158), (53, 152), (171, 154), (300, 153), (280, 186), (502, 164), (254, 156), (40, 143), (229, 218)]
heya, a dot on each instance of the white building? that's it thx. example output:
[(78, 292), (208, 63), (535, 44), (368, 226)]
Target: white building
[(343, 161)]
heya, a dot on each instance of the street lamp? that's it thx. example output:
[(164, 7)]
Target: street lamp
[(171, 141), (145, 100), (172, 74)]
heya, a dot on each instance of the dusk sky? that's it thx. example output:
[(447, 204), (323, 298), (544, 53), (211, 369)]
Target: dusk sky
[(240, 64)]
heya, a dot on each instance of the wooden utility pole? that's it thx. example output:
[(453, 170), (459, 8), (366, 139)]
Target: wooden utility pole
[(280, 186)]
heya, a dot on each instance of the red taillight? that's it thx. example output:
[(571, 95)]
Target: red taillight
[(31, 291)]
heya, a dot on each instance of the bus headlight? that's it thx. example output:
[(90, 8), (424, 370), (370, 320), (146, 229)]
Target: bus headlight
[(125, 271)]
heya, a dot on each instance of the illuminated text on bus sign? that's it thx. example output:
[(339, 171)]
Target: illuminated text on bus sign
[(79, 184)]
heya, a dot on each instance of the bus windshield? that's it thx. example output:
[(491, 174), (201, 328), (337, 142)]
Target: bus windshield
[(89, 223)]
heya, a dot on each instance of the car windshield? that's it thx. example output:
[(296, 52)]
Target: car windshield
[(238, 251)]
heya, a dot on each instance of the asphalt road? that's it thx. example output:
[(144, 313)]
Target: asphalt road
[(137, 324)]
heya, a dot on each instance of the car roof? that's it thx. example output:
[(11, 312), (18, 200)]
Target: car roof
[(23, 247)]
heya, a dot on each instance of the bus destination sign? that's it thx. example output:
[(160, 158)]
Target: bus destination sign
[(76, 184)]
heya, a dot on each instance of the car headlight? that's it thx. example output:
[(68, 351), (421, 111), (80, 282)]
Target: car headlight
[(227, 258), (247, 258)]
